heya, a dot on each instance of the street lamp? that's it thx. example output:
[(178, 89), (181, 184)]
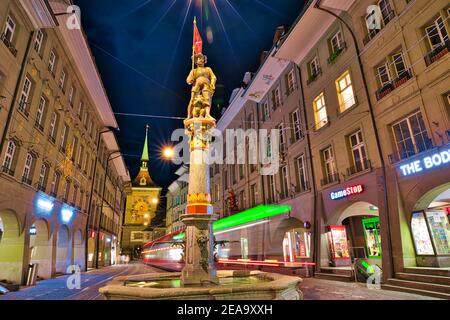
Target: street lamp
[(97, 244), (106, 129)]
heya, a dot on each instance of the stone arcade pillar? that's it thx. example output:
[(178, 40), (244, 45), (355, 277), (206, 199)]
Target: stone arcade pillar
[(199, 267)]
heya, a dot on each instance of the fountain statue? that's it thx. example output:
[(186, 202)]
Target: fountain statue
[(199, 278)]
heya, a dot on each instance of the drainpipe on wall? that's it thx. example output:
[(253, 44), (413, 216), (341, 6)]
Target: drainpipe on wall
[(316, 226), (377, 136)]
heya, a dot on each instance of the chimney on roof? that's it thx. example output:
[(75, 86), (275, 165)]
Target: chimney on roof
[(279, 32)]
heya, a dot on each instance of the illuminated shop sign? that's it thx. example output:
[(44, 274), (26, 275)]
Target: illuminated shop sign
[(67, 213), (43, 204), (435, 160), (347, 192)]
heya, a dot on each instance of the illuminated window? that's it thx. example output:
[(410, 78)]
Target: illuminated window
[(24, 95), (320, 111), (9, 156), (345, 91)]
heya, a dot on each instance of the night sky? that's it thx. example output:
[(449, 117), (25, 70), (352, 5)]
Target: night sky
[(143, 51)]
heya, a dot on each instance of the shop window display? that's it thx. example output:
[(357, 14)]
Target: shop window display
[(338, 245), (431, 232), (371, 228)]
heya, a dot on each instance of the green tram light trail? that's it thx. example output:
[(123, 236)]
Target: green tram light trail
[(250, 215)]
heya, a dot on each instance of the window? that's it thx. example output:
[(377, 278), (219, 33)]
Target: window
[(337, 42), (384, 74), (302, 178), (411, 136), (345, 91), (74, 195), (80, 109), (73, 147), (42, 176), (314, 67), (437, 33), (52, 62), (297, 131), (266, 110), (329, 165), (62, 80), (291, 82), (24, 95), (284, 182), (55, 183), (269, 147), (276, 98), (320, 111), (10, 28), (271, 188), (38, 41), (27, 168), (241, 171), (253, 192), (71, 94), (80, 155), (9, 156), (53, 125), (40, 113), (358, 150), (386, 11), (282, 137), (66, 190), (399, 64), (64, 134), (85, 118)]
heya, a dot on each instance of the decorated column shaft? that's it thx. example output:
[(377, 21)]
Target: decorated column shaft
[(199, 267)]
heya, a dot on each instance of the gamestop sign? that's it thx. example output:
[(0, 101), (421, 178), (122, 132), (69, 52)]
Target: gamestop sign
[(347, 192), (435, 160)]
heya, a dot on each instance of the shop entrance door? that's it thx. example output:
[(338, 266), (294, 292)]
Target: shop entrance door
[(372, 236)]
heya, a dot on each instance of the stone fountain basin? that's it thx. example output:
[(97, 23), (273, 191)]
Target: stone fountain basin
[(268, 286)]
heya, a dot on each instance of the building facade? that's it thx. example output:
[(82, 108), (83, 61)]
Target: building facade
[(389, 108), (176, 201), (53, 110), (141, 205), (364, 161)]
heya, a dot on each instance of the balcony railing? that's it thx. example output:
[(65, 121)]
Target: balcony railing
[(314, 76), (437, 53), (331, 178), (9, 45), (8, 171), (394, 84), (62, 149), (372, 33), (405, 154), (26, 180), (360, 166)]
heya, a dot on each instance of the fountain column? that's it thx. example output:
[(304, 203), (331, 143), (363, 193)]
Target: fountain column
[(199, 267)]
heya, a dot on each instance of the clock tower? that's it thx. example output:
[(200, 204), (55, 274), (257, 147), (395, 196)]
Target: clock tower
[(141, 207)]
